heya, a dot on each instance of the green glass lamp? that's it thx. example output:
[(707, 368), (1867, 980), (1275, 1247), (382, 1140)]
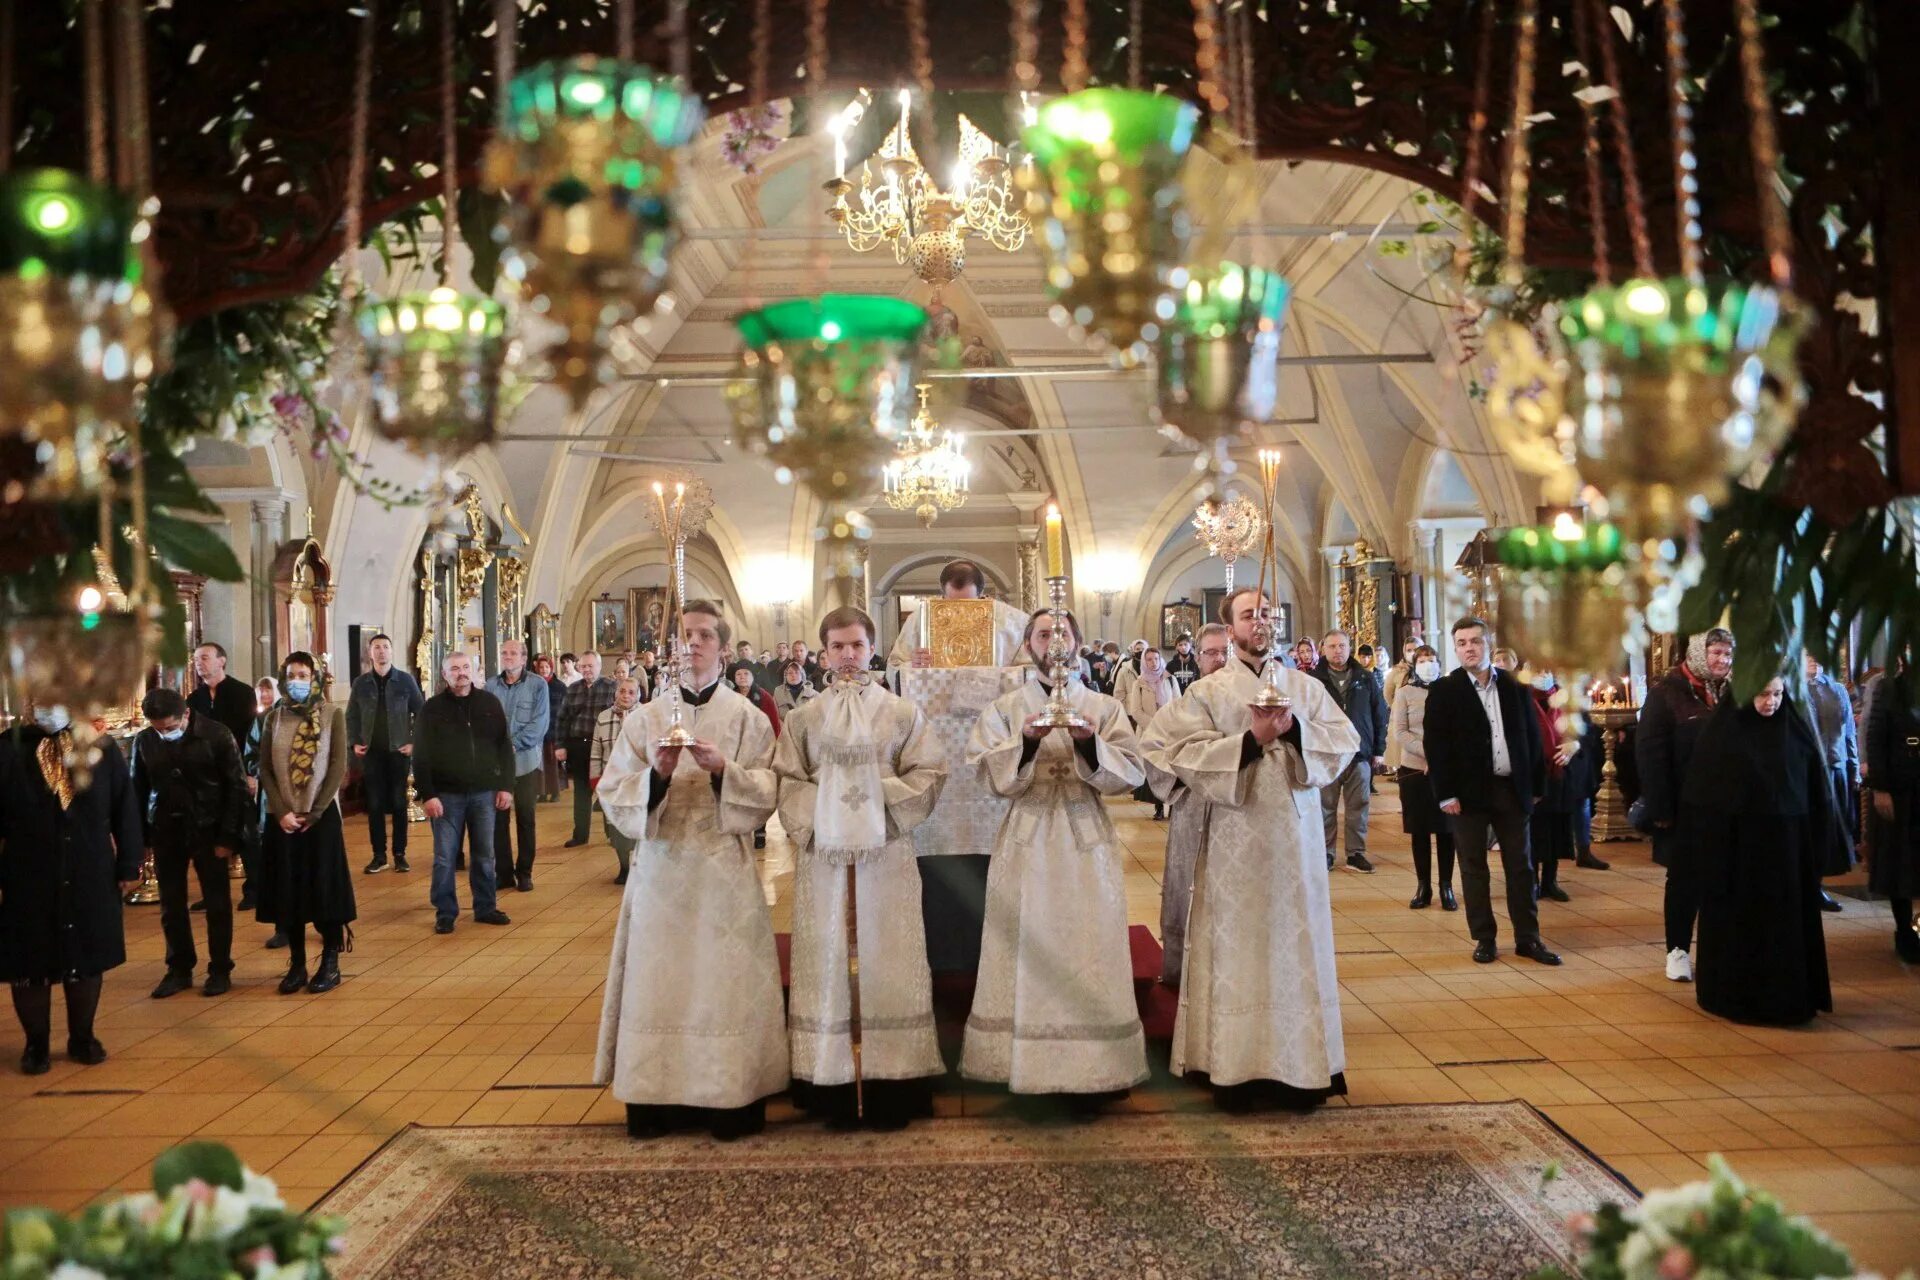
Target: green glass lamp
[(1104, 192), (1565, 595), (1678, 387), (434, 362), (585, 155), (1218, 356)]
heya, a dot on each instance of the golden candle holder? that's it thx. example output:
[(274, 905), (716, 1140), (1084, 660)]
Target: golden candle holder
[(1610, 804), (1266, 632), (147, 892)]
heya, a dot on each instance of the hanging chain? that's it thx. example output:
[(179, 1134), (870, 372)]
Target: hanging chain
[(920, 49), (1134, 53), (1590, 147), (138, 128), (93, 44), (1073, 58), (449, 147), (816, 46), (762, 51), (6, 85), (623, 30), (1623, 142), (1026, 46), (1775, 236), (1477, 115), (506, 21), (1686, 168), (1250, 105), (679, 43), (357, 152), (1206, 58), (129, 41), (1519, 177)]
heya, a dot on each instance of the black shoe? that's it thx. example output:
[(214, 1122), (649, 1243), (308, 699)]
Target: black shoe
[(1827, 903), (1358, 862), (495, 916), (459, 864), (573, 844), (295, 979), (621, 878), (759, 839), (1424, 898), (1329, 862), (1555, 892), (201, 905), (1591, 863), (375, 867), (729, 1126), (1485, 952), (1536, 951), (328, 975), (88, 1053), (1447, 901), (218, 984), (247, 903), (443, 925), (172, 985), (1159, 813), (278, 940), (400, 864), (36, 1061), (523, 883), (1906, 945)]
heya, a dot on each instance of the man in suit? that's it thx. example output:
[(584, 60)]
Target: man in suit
[(1487, 766)]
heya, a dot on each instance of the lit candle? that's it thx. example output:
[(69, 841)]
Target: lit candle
[(960, 180), (839, 147), (1056, 552), (905, 99)]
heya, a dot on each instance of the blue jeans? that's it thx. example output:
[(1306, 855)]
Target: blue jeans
[(470, 812)]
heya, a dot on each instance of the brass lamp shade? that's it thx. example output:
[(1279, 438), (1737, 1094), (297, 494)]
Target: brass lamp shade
[(1218, 356), (434, 363), (85, 662)]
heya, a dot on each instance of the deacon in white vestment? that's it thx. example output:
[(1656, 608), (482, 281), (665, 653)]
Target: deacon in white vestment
[(1054, 1009), (1186, 823), (1260, 1001), (692, 1015), (858, 771), (963, 580)]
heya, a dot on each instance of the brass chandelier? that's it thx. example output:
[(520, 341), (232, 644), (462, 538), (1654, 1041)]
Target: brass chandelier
[(930, 475), (907, 207)]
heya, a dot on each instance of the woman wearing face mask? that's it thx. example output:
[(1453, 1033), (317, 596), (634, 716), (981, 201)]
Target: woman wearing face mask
[(1570, 768), (1420, 814), (1145, 696), (1756, 811), (66, 857), (303, 758), (794, 689)]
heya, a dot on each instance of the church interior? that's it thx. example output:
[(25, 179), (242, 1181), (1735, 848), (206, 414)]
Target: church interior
[(1293, 371)]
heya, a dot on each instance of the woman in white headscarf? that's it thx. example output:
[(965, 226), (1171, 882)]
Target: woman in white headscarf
[(1153, 689)]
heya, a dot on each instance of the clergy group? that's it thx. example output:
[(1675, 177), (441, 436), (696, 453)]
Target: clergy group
[(694, 1031)]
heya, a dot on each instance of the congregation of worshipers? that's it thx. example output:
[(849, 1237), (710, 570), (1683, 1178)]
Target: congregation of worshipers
[(1749, 804)]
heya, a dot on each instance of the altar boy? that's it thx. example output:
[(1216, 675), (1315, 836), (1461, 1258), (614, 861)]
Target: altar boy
[(859, 770)]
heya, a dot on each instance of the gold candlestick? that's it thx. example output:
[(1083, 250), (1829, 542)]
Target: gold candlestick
[(1266, 633), (1059, 713)]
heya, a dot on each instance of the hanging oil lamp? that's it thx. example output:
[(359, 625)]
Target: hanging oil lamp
[(1218, 358), (434, 362)]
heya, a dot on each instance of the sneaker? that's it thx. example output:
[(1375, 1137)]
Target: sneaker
[(492, 917), (1358, 862), (218, 984), (375, 867), (1679, 966), (400, 864), (172, 985), (443, 925)]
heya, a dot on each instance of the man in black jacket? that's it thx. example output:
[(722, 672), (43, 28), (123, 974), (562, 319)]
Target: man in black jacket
[(194, 808), (1487, 766), (463, 774), (219, 696), (1358, 694), (591, 694)]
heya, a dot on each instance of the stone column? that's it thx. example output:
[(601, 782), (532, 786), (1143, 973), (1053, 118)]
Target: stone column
[(269, 531)]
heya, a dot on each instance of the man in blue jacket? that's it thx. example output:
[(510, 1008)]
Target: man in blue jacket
[(380, 713), (527, 702), (1358, 693)]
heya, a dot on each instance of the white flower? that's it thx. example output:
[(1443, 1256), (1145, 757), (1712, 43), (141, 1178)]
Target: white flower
[(74, 1271), (1673, 1209), (226, 1214), (141, 1209), (262, 1191)]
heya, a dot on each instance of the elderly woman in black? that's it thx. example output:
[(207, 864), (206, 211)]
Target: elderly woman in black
[(303, 759), (67, 855), (1756, 813)]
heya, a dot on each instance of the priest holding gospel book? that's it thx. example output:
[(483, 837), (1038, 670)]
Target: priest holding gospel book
[(960, 580)]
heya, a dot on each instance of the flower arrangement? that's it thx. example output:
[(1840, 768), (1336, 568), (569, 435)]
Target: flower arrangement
[(753, 134), (208, 1217), (1720, 1229)]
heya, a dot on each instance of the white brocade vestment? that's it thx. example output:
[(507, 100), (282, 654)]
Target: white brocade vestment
[(896, 989), (1054, 1009), (1186, 836), (692, 1014), (1259, 999)]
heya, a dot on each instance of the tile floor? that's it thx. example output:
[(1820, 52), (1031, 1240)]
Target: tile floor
[(494, 1026)]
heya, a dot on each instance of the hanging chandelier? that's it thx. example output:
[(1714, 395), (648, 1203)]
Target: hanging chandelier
[(930, 475), (907, 207)]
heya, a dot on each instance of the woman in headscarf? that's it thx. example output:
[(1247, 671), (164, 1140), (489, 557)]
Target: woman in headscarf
[(1154, 689), (1420, 815), (1670, 724), (1756, 812), (304, 878)]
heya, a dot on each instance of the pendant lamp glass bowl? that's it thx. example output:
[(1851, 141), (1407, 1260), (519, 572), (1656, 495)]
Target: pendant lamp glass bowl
[(1218, 354), (434, 361), (86, 662), (1677, 389), (78, 327), (1105, 195), (1565, 601), (585, 157)]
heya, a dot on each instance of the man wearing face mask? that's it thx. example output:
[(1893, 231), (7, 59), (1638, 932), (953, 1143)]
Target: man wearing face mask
[(193, 794)]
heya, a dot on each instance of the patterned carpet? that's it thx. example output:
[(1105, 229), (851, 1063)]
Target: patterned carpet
[(1402, 1192)]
